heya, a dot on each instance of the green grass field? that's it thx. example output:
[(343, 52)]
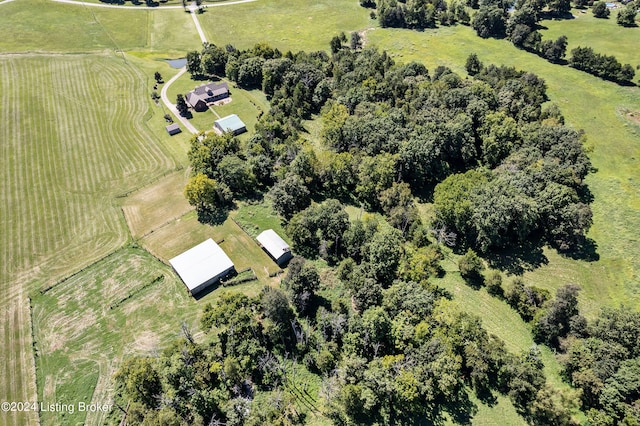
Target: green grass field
[(68, 149), (288, 25), (67, 28)]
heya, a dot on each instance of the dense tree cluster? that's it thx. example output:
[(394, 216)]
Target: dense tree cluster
[(603, 66), (603, 361), (626, 16), (382, 344), (409, 355), (421, 14), (392, 132)]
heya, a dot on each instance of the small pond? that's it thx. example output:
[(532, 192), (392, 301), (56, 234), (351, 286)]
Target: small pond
[(177, 63)]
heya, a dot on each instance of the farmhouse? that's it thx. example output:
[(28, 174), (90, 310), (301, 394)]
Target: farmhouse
[(202, 265), (277, 248), (173, 129), (230, 123), (201, 96)]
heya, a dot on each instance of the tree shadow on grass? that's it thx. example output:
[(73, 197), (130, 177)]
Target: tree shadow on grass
[(585, 249), (517, 260), (215, 216), (462, 410)]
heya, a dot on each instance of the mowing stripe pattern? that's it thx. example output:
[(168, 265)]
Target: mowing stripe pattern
[(72, 137)]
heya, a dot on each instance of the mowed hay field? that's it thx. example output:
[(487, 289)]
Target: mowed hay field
[(72, 139)]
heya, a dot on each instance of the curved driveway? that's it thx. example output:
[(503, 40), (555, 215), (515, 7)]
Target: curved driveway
[(192, 9)]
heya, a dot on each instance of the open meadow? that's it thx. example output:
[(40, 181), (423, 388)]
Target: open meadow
[(288, 25), (69, 147)]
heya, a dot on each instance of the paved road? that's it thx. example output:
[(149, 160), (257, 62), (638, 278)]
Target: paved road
[(118, 6), (172, 107)]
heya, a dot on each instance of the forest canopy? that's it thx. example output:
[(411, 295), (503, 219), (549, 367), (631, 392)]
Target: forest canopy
[(375, 339)]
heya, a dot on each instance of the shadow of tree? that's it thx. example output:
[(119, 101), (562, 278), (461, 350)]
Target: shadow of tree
[(517, 260), (585, 249), (213, 217)]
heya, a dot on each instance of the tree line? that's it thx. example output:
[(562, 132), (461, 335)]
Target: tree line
[(517, 21)]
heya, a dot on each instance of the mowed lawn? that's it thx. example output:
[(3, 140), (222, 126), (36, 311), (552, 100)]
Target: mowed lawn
[(72, 139), (288, 25), (246, 104), (613, 142)]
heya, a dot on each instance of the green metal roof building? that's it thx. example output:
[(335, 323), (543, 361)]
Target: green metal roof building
[(230, 123)]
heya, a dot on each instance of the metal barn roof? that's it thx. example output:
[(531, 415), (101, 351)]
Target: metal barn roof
[(202, 263), (272, 243), (230, 123)]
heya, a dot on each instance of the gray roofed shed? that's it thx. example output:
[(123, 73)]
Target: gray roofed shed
[(273, 244), (173, 129)]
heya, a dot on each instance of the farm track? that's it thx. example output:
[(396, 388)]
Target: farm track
[(73, 137)]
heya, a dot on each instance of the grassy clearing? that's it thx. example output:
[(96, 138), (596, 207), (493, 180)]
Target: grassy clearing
[(186, 232), (257, 217), (603, 35), (80, 339), (293, 25), (153, 206), (587, 103), (68, 148)]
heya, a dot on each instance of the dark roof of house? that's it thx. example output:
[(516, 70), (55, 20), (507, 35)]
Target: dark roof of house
[(206, 91), (212, 89)]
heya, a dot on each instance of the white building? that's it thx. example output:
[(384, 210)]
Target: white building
[(277, 248), (202, 265)]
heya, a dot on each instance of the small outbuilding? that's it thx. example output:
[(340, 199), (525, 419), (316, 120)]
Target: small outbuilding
[(230, 123), (173, 129), (275, 246), (201, 266)]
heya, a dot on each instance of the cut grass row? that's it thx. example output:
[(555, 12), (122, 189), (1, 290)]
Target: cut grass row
[(73, 137)]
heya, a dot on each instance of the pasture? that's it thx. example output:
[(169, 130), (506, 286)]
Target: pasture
[(73, 138), (128, 303), (66, 28), (293, 25), (612, 141)]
